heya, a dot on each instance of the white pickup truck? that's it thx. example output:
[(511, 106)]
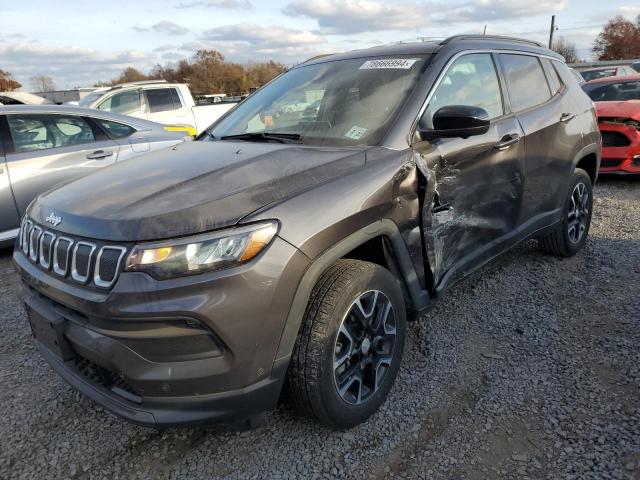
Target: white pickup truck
[(158, 101)]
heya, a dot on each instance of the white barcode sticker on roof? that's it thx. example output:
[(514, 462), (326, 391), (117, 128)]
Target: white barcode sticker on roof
[(401, 63)]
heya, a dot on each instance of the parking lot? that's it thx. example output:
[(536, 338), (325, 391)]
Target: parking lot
[(530, 368)]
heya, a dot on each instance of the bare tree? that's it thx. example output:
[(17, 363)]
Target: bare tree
[(7, 82), (566, 49), (619, 40), (42, 83)]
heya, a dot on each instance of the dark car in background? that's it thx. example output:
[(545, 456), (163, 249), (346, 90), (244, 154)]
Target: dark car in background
[(617, 101), (288, 246)]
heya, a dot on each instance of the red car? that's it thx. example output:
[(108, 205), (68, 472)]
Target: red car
[(617, 102)]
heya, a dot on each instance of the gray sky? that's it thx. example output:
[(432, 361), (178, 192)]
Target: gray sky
[(79, 42)]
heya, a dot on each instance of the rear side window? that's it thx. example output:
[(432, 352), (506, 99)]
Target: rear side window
[(162, 100), (39, 132), (552, 74), (526, 81), (115, 129)]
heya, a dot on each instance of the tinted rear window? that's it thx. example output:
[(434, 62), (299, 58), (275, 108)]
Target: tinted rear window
[(161, 100), (526, 81)]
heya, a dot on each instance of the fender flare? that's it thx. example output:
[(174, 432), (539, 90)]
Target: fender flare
[(318, 266), (590, 149)]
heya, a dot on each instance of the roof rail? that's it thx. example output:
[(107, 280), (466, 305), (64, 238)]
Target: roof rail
[(141, 82), (316, 58), (456, 38)]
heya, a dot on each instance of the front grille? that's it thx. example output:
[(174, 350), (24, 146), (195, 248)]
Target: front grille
[(614, 139), (607, 162), (84, 262)]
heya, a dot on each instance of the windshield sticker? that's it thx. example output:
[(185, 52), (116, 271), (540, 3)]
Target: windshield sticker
[(401, 63), (355, 132)]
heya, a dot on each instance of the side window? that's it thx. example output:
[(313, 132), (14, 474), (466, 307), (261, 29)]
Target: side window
[(115, 129), (125, 103), (161, 100), (526, 81), (38, 132), (470, 80), (554, 79), (29, 133)]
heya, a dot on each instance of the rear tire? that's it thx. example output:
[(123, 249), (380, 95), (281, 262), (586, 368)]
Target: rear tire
[(570, 235), (350, 344)]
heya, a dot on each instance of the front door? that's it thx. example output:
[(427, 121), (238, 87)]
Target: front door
[(472, 212), (51, 149)]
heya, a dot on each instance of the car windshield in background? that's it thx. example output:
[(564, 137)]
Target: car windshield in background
[(589, 75), (345, 102), (89, 99), (613, 92)]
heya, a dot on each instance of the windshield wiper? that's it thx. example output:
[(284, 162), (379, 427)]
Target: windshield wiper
[(265, 137)]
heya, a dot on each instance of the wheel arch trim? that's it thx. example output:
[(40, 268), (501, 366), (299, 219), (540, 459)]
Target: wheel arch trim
[(385, 228)]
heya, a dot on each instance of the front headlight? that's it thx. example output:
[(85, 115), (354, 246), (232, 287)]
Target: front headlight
[(202, 253)]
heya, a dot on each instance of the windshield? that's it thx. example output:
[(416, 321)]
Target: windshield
[(344, 102), (89, 99), (614, 92), (593, 74)]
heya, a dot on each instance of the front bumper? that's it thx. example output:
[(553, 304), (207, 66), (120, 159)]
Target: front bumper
[(621, 159), (164, 353)]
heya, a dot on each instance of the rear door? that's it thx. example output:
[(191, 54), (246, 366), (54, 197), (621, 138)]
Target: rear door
[(9, 219), (49, 149), (478, 184), (552, 139), (164, 105)]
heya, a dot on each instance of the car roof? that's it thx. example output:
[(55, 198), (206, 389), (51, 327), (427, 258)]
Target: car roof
[(615, 79), (462, 42), (73, 110)]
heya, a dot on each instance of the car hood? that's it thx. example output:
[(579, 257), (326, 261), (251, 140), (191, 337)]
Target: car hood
[(191, 188), (622, 109)]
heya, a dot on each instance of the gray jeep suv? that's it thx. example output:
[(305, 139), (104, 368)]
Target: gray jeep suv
[(287, 248)]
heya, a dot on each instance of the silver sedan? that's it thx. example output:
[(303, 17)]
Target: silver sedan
[(46, 145)]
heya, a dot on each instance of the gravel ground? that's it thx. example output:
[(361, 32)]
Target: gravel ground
[(530, 368)]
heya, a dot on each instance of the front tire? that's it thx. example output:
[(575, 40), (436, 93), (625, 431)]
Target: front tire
[(350, 345), (570, 235)]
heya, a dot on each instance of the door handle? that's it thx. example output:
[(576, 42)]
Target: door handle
[(99, 154), (507, 141), (567, 117)]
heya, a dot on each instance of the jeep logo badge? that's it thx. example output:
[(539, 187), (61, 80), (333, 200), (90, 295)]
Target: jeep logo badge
[(53, 219)]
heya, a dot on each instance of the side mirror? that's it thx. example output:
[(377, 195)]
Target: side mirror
[(457, 121)]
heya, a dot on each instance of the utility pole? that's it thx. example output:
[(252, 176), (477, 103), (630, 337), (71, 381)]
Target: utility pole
[(553, 27)]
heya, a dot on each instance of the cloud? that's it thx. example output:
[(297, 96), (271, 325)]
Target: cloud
[(166, 27), (357, 16), (257, 35), (248, 42), (223, 4), (69, 65), (164, 48), (484, 10)]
